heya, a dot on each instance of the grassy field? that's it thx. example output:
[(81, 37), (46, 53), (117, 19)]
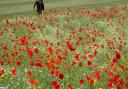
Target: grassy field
[(76, 44), (13, 8)]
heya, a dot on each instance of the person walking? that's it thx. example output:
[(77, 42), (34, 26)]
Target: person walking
[(39, 4)]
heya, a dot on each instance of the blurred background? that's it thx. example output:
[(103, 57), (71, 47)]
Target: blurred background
[(10, 8)]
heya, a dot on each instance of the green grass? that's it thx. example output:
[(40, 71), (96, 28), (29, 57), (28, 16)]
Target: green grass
[(92, 34)]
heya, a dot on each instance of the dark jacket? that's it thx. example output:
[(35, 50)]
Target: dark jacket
[(39, 4)]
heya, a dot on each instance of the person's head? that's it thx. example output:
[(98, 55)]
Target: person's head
[(40, 1)]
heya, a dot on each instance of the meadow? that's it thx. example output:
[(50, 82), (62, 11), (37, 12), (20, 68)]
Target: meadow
[(69, 47), (13, 8)]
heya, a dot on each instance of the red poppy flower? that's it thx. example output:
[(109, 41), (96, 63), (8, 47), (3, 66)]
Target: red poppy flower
[(88, 78), (82, 81), (30, 54), (5, 47), (18, 63), (121, 81), (1, 62), (70, 86), (33, 81), (118, 86), (126, 85), (57, 86), (61, 76), (110, 85), (77, 56), (89, 63), (1, 72), (8, 62), (91, 82), (83, 57), (29, 73), (36, 50), (73, 62), (54, 83), (31, 63), (38, 65), (97, 74), (12, 54), (50, 51), (23, 41), (117, 55), (91, 56), (70, 47), (113, 80), (127, 78), (46, 42), (119, 47), (14, 70), (112, 64), (110, 73), (95, 52), (58, 51), (80, 64)]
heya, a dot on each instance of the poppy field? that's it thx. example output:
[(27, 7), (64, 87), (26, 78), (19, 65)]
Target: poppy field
[(69, 49)]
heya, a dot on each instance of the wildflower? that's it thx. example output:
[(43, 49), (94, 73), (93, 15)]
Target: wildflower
[(36, 50), (31, 63), (29, 73), (1, 72), (46, 42), (58, 51), (5, 47), (82, 81), (1, 62), (54, 83), (121, 81), (8, 62), (18, 63), (14, 70), (112, 64), (110, 85), (83, 57), (80, 64), (34, 87), (77, 56), (89, 63), (57, 86), (126, 85), (110, 73), (119, 47), (30, 54), (33, 81), (70, 86), (95, 52), (127, 78), (61, 76), (100, 88), (97, 74), (91, 81), (117, 55), (88, 78), (38, 64), (23, 41), (50, 51), (70, 47)]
